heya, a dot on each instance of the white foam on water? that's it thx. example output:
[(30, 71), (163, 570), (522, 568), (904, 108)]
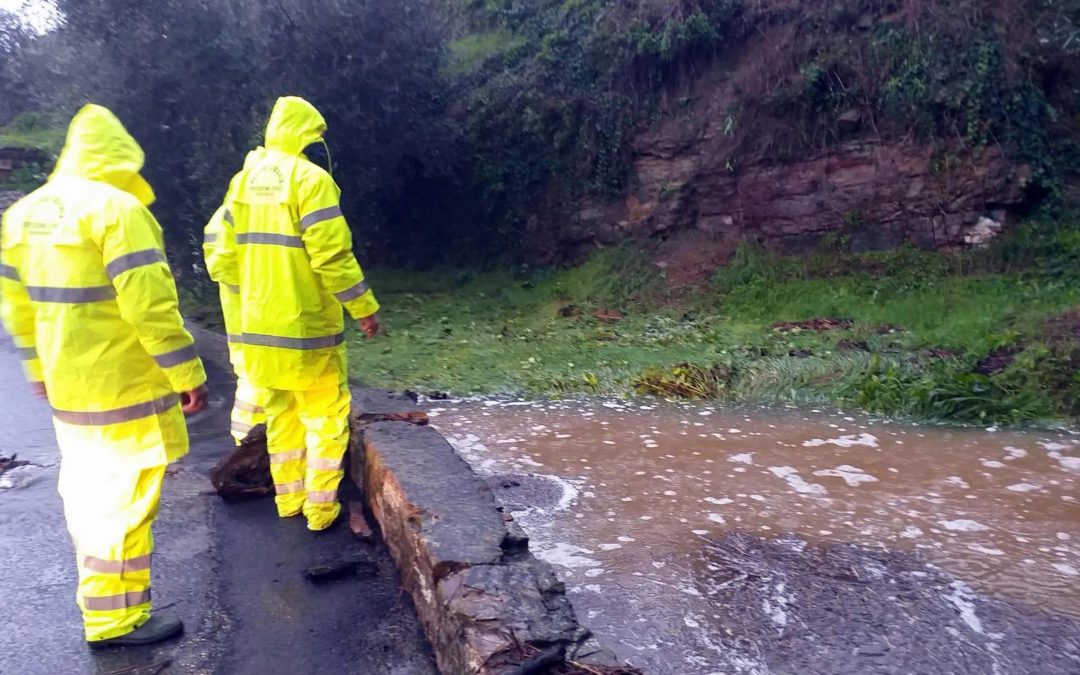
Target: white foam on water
[(978, 548), (700, 533), (1015, 453), (992, 464), (724, 501), (594, 572), (911, 532), (853, 476), (609, 547), (775, 607), (963, 599), (565, 555), (796, 482), (625, 539), (963, 525), (742, 458), (1067, 463), (863, 439), (716, 518), (957, 481), (1066, 569), (1022, 487), (1052, 446)]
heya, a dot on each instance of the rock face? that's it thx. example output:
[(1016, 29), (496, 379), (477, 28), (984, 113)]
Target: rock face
[(695, 176)]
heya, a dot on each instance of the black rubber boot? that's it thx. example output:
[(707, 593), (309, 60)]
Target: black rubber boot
[(156, 629)]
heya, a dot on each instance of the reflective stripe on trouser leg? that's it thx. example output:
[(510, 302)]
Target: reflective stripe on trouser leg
[(324, 413), (248, 409), (284, 442), (110, 509)]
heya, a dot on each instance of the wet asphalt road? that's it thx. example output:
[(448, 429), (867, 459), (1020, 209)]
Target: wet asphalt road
[(232, 572)]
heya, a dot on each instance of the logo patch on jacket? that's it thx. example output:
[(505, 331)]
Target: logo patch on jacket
[(43, 216), (267, 183)]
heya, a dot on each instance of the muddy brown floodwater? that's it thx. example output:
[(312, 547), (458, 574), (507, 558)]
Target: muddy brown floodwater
[(635, 504)]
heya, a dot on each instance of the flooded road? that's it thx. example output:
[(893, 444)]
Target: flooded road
[(633, 501)]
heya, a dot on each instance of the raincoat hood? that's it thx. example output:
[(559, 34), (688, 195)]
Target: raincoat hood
[(98, 147), (294, 124)]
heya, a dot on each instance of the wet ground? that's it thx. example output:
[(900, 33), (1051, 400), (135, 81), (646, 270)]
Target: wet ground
[(698, 540), (232, 572)]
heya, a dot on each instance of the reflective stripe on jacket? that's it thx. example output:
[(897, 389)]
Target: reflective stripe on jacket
[(86, 291), (288, 248)]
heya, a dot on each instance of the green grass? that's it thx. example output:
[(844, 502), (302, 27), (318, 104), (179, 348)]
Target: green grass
[(480, 333), (34, 130), (37, 131), (470, 52)]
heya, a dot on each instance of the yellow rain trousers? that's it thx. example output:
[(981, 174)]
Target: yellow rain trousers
[(288, 249), (87, 294), (250, 401)]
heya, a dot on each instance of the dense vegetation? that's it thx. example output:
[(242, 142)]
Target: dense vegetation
[(458, 125), (454, 121)]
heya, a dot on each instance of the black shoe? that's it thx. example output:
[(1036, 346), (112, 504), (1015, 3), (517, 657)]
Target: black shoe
[(156, 629)]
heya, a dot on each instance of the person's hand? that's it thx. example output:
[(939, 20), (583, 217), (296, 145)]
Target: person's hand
[(39, 390), (370, 325), (195, 400)]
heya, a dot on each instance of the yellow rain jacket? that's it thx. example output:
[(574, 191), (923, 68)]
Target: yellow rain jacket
[(288, 248), (90, 301), (213, 243)]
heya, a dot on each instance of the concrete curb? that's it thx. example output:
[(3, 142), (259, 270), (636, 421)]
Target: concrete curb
[(487, 603)]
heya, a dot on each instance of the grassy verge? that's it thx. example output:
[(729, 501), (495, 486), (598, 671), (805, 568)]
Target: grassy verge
[(962, 337)]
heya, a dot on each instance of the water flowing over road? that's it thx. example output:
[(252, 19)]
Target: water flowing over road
[(699, 540)]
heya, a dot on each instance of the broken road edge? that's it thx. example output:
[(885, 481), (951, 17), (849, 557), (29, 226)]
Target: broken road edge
[(487, 604)]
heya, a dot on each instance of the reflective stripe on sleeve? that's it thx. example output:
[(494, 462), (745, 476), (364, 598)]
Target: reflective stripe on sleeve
[(288, 456), (27, 353), (121, 601), (102, 566), (235, 290), (315, 217), (352, 293), (288, 342), (322, 496), (247, 407), (241, 428), (271, 239), (175, 358), (130, 261), (324, 464), (9, 272), (289, 488), (210, 237), (70, 295), (117, 415)]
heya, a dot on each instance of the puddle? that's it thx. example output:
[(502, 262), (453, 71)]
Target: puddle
[(648, 490)]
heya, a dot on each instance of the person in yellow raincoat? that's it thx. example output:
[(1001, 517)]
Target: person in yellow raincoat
[(288, 249), (88, 297), (248, 411)]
